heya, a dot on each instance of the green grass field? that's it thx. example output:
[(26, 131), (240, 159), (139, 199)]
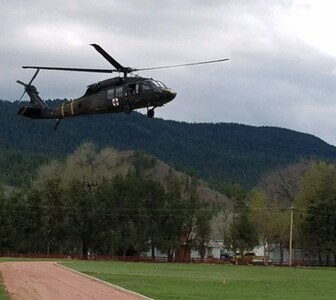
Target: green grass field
[(3, 292), (201, 281)]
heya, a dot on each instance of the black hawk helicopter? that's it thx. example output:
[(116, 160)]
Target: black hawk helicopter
[(113, 95)]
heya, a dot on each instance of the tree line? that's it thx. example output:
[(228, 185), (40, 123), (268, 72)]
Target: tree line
[(121, 203), (261, 217), (105, 203)]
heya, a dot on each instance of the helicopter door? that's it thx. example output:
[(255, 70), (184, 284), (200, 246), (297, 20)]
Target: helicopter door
[(119, 92), (131, 93), (111, 97), (133, 89), (115, 96)]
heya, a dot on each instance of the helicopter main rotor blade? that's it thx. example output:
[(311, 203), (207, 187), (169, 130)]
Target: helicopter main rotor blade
[(25, 86), (71, 69), (19, 101), (119, 67), (183, 65), (108, 57), (34, 76), (22, 83)]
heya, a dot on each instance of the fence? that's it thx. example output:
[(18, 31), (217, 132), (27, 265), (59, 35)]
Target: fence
[(239, 261)]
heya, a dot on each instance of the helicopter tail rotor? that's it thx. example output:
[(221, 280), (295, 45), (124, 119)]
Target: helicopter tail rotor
[(35, 100), (27, 86)]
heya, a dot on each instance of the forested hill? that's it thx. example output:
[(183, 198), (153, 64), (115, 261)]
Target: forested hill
[(225, 152)]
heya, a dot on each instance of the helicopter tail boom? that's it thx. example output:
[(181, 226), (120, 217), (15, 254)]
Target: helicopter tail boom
[(30, 112)]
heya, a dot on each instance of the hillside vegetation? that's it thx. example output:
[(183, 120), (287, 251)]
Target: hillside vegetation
[(221, 152), (115, 202), (109, 203)]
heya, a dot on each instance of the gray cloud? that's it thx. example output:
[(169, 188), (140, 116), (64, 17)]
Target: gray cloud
[(273, 78)]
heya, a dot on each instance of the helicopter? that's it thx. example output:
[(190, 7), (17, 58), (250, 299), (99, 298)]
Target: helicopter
[(118, 94)]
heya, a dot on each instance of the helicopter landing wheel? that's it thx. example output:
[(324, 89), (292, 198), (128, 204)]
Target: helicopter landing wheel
[(57, 123), (150, 113)]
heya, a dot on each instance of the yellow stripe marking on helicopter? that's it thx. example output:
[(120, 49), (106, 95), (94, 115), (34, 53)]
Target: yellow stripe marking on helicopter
[(72, 108), (62, 110)]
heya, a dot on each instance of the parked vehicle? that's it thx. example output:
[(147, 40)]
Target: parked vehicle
[(226, 256)]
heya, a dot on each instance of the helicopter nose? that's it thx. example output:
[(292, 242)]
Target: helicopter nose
[(173, 93), (170, 94)]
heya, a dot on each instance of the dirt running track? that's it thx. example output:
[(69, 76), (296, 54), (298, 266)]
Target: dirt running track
[(46, 280)]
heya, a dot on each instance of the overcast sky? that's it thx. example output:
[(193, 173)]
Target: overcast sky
[(281, 72)]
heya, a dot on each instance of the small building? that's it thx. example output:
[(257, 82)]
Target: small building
[(298, 256), (185, 253)]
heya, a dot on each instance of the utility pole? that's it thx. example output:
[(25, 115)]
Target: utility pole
[(291, 235)]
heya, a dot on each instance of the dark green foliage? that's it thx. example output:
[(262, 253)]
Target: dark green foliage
[(233, 191), (142, 162), (124, 215), (21, 223), (321, 229), (320, 218), (309, 191), (52, 215), (18, 168), (243, 235), (222, 152)]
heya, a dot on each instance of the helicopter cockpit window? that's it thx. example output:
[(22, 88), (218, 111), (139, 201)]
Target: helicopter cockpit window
[(160, 84), (119, 91), (154, 83), (145, 86), (150, 85)]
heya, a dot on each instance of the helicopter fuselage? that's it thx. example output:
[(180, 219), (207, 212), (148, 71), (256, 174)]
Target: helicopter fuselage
[(118, 94)]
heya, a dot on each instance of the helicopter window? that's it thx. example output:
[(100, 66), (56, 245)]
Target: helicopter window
[(160, 84), (110, 94), (155, 84), (119, 91), (145, 86), (132, 89)]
